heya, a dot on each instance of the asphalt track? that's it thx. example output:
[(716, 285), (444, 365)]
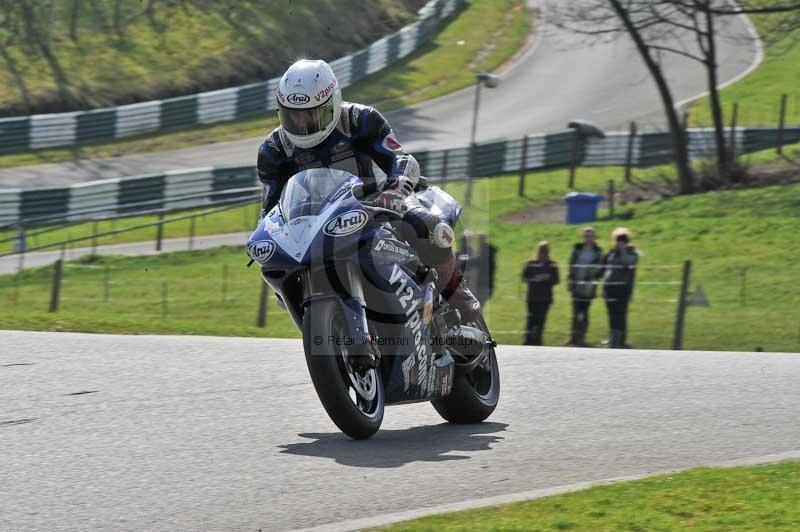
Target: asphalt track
[(558, 78), (193, 433)]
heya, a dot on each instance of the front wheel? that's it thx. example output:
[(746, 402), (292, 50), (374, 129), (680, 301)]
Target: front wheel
[(475, 394), (353, 398)]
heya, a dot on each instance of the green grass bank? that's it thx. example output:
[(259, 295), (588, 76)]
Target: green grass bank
[(701, 499), (759, 94), (481, 37)]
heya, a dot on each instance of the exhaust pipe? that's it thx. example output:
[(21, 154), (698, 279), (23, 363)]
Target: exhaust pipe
[(469, 342)]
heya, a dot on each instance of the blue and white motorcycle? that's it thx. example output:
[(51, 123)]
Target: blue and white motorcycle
[(375, 332)]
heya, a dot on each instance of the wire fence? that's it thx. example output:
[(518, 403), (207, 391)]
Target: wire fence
[(98, 289), (736, 311), (740, 309)]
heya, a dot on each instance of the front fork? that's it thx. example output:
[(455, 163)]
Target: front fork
[(342, 283)]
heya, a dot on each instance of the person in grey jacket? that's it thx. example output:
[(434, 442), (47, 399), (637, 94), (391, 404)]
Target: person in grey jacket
[(619, 274), (584, 267)]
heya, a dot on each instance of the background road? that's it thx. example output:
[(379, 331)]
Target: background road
[(558, 79), (192, 433)]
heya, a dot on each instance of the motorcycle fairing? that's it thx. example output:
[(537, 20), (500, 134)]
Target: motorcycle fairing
[(414, 374), (440, 203)]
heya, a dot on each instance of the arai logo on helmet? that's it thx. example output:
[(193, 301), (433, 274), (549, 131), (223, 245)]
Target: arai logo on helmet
[(298, 98), (346, 224), (261, 250)]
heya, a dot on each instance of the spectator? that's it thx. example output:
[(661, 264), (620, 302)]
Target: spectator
[(463, 253), (619, 273), (465, 258), (584, 267), (486, 269), (541, 274)]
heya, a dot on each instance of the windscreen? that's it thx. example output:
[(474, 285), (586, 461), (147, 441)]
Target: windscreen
[(307, 191)]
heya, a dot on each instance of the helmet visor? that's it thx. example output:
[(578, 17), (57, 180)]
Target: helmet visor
[(306, 121)]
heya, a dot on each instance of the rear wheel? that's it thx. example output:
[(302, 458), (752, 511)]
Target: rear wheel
[(475, 394), (353, 398)]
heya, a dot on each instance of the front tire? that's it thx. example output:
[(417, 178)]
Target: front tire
[(354, 400), (475, 394)]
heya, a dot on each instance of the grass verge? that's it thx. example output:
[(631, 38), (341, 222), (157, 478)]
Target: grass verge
[(751, 498), (482, 37)]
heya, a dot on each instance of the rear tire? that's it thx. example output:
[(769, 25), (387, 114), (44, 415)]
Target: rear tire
[(355, 415), (475, 395)]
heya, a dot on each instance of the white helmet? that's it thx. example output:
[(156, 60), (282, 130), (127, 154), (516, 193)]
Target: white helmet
[(309, 102)]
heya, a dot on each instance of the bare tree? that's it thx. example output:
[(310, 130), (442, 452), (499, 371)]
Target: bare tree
[(36, 27), (688, 28), (610, 19), (118, 20), (74, 17), (10, 36)]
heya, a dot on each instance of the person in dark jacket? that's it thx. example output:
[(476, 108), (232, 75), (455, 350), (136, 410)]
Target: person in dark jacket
[(541, 274), (584, 267), (619, 274), (484, 288)]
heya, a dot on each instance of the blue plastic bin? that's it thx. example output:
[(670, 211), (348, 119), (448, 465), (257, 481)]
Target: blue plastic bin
[(582, 207)]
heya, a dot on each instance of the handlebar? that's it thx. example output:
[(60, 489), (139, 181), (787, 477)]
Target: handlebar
[(358, 190), (380, 211), (358, 193)]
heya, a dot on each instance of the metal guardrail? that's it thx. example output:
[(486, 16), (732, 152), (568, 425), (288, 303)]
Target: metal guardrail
[(205, 186), (35, 132), (99, 214)]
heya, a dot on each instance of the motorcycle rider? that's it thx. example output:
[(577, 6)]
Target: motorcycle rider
[(317, 129)]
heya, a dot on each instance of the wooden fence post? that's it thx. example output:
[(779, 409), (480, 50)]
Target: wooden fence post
[(470, 173), (159, 231), (94, 238), (781, 124), (611, 192), (261, 321), (734, 121), (56, 288), (629, 153), (191, 233), (573, 161), (445, 161), (677, 340), (523, 167)]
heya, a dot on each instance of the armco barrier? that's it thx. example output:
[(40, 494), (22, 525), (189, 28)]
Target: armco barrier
[(66, 129), (201, 186)]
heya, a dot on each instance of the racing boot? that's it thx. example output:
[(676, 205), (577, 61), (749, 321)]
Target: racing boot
[(451, 284)]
